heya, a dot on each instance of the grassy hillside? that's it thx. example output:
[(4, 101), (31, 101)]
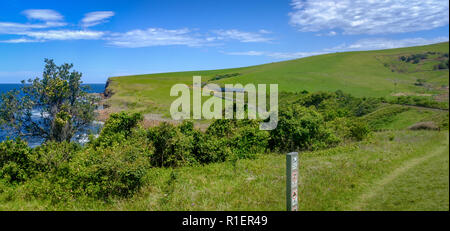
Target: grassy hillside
[(235, 166), (379, 73)]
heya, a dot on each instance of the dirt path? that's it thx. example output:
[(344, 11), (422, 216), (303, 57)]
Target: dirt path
[(378, 187)]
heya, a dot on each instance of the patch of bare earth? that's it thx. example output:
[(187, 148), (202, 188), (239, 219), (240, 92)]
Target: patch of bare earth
[(444, 96)]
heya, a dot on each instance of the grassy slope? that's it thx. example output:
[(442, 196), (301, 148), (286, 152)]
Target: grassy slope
[(358, 73), (423, 186), (358, 176)]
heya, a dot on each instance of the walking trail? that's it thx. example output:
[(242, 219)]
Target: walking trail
[(378, 187)]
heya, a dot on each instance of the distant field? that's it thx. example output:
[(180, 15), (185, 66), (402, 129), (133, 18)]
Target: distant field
[(366, 73)]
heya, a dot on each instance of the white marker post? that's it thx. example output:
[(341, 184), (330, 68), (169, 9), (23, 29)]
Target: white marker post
[(292, 181)]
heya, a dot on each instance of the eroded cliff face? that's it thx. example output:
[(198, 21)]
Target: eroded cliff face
[(108, 92)]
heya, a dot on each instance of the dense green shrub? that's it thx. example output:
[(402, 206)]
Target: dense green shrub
[(348, 128), (172, 147), (301, 128), (224, 139), (314, 99), (213, 149), (66, 171), (366, 106), (337, 104), (359, 129), (53, 156), (15, 162), (117, 128), (112, 171), (415, 58), (243, 137), (248, 140), (330, 110), (101, 174)]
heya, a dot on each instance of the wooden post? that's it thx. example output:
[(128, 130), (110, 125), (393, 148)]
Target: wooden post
[(292, 181)]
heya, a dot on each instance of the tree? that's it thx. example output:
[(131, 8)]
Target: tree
[(63, 104)]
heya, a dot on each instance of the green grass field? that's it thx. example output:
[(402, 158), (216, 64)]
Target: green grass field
[(365, 73)]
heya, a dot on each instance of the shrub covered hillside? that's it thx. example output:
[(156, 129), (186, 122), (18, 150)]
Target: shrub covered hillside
[(114, 164)]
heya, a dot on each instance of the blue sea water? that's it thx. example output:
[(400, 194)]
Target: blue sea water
[(94, 88)]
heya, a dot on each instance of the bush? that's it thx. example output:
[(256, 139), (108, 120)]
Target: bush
[(366, 106), (243, 137), (359, 130), (213, 149), (172, 147), (15, 163), (116, 129), (248, 140), (68, 172), (301, 128), (53, 156), (111, 171), (350, 128)]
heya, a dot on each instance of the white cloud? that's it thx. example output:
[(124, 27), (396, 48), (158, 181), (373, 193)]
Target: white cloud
[(95, 18), (242, 36), (262, 31), (50, 19), (382, 43), (369, 16), (154, 37), (44, 15), (46, 31), (20, 40), (330, 33), (246, 53), (64, 34), (276, 55), (13, 28), (293, 55), (34, 32), (186, 37), (364, 44)]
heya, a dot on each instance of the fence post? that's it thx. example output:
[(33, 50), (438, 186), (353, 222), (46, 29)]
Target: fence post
[(292, 181)]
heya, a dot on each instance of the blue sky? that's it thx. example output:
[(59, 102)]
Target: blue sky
[(112, 38)]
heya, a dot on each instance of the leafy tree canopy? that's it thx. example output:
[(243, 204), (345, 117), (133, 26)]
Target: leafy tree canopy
[(63, 104)]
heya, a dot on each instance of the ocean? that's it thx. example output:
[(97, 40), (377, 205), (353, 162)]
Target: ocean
[(94, 88)]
